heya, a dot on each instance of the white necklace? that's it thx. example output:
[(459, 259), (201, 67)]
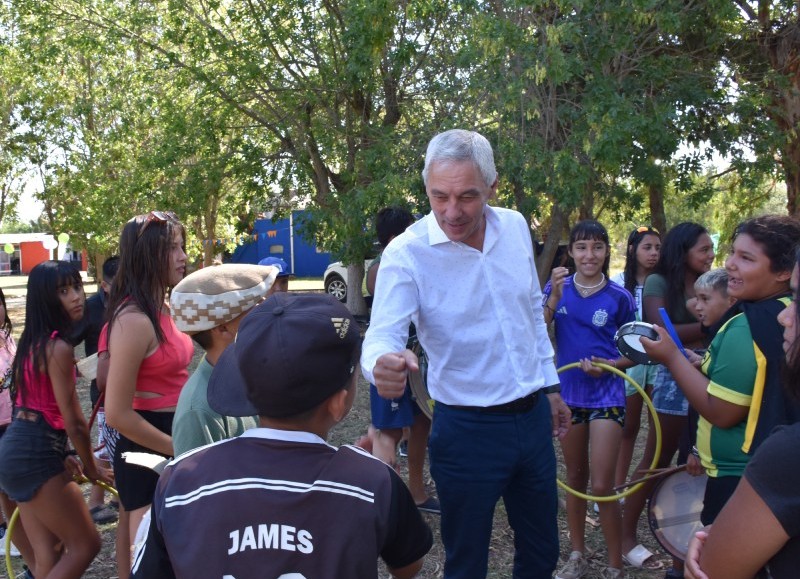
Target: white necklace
[(585, 289)]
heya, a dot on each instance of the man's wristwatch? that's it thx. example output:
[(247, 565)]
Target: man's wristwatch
[(554, 389)]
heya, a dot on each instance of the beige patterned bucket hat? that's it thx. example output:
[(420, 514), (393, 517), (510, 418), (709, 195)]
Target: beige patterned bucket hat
[(218, 294)]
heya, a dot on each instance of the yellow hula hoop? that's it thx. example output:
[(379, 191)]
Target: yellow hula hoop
[(109, 488), (15, 515), (7, 541), (656, 426)]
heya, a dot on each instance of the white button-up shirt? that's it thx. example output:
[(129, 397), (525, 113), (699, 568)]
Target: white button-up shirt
[(478, 314)]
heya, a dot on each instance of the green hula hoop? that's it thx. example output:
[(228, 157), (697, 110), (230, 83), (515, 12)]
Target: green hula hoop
[(15, 515), (656, 426)]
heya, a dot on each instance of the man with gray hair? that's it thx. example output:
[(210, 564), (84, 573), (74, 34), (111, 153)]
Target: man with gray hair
[(465, 276)]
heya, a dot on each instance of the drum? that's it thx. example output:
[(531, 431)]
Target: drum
[(628, 343), (673, 511), (418, 381)]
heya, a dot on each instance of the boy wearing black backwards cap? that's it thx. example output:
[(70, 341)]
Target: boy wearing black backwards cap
[(278, 500)]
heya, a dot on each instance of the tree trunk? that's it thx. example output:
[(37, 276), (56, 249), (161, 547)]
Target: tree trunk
[(658, 218), (544, 263), (781, 46), (355, 297), (791, 168), (98, 259)]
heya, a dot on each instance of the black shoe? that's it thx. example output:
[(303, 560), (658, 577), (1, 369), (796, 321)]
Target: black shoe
[(102, 514)]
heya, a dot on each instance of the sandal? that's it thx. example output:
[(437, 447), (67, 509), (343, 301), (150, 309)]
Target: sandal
[(640, 557)]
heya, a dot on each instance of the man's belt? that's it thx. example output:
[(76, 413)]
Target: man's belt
[(517, 406)]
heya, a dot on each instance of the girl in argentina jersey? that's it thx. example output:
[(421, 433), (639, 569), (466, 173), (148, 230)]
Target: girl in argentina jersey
[(587, 310)]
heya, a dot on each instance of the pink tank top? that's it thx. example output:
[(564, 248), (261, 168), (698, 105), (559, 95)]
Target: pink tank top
[(102, 341), (39, 393), (165, 371)]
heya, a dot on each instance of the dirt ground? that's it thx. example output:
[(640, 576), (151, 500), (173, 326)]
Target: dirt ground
[(501, 547)]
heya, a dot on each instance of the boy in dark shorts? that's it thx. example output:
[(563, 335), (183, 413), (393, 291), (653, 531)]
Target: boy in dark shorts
[(391, 417), (278, 501)]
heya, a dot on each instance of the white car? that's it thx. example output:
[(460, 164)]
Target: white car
[(335, 279)]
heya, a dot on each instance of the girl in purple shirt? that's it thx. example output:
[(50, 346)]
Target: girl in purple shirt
[(587, 310)]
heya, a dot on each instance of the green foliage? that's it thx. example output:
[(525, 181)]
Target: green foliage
[(226, 111), (593, 104), (114, 131)]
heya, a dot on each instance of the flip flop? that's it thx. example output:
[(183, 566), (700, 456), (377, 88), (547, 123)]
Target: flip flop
[(638, 556)]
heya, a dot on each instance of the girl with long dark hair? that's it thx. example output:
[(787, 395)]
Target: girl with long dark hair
[(641, 257), (687, 252), (587, 310), (148, 356), (34, 466)]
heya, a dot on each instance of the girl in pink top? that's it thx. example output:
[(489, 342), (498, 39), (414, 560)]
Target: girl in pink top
[(148, 356), (35, 467)]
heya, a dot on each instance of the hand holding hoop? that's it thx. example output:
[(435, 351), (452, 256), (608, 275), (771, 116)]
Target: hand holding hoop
[(656, 427), (590, 366)]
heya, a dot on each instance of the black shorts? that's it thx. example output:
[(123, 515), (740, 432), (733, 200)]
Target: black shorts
[(136, 485), (31, 453), (718, 491), (586, 415)]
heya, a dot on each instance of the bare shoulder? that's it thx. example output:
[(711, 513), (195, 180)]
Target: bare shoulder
[(131, 319), (62, 350), (131, 327), (61, 356)]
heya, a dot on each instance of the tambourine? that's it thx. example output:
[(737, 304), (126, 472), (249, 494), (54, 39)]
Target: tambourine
[(629, 345), (419, 382)]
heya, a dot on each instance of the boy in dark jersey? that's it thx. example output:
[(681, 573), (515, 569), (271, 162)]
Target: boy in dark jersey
[(278, 500)]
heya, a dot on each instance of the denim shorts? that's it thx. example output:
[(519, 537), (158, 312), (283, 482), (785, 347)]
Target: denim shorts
[(397, 413), (31, 453), (643, 374), (668, 398)]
